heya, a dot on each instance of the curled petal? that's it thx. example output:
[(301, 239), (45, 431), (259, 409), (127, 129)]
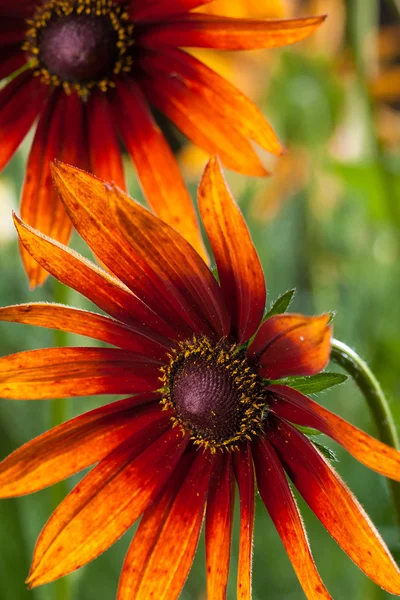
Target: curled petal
[(334, 504), (278, 499), (294, 406), (160, 9), (291, 344), (58, 372), (156, 566), (106, 503)]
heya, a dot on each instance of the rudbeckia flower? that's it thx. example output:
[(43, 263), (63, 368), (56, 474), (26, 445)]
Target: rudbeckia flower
[(90, 68), (209, 405)]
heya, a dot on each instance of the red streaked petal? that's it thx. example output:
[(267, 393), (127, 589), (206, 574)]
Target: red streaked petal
[(158, 171), (291, 344), (106, 503), (58, 372), (107, 292), (76, 444), (11, 60), (244, 472), (105, 152), (294, 406), (219, 515), (278, 499), (12, 30), (239, 268), (162, 551), (20, 103), (334, 504), (20, 9), (82, 322), (214, 91), (228, 33), (202, 124), (161, 9), (168, 274)]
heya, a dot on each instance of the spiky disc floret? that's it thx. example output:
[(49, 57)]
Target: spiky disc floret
[(214, 393)]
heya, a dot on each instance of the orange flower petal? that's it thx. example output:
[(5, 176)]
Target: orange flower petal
[(291, 344), (156, 165), (219, 516), (82, 322), (334, 505), (40, 205), (105, 503), (162, 551), (215, 92), (239, 268), (244, 471), (168, 274), (159, 9), (294, 406), (100, 287), (278, 499), (105, 152), (20, 103), (202, 124), (58, 372), (76, 444), (224, 33)]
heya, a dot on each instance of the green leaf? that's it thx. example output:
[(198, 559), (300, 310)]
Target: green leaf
[(281, 305), (214, 271), (314, 383), (308, 431), (328, 453)]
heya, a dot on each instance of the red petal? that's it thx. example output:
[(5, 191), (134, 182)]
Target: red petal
[(82, 322), (162, 551), (292, 344), (224, 33), (278, 499), (12, 30), (219, 515), (244, 471), (20, 103), (105, 503), (160, 9), (216, 93), (239, 268), (334, 505), (294, 406), (105, 152), (76, 444), (156, 165), (86, 278), (22, 8), (58, 372), (11, 60)]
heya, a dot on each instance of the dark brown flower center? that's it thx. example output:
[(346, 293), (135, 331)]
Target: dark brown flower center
[(80, 44), (214, 394)]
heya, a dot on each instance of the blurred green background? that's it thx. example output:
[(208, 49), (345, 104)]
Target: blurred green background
[(327, 223)]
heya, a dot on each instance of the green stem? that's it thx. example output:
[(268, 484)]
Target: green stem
[(377, 402), (59, 414)]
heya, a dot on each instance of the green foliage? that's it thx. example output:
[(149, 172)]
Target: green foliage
[(314, 383), (281, 305)]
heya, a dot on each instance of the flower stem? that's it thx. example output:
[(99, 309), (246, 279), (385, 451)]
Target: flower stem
[(59, 414), (377, 402)]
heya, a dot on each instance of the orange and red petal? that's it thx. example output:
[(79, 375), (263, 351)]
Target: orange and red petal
[(104, 290), (297, 408), (334, 504), (280, 503), (104, 148), (161, 554), (150, 10), (244, 473), (76, 444), (227, 33), (202, 124), (239, 268), (82, 322), (214, 91), (158, 171), (58, 372), (106, 502), (291, 344), (20, 103), (219, 519)]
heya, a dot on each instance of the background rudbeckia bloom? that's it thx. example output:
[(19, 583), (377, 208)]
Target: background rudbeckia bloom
[(90, 70), (207, 406)]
